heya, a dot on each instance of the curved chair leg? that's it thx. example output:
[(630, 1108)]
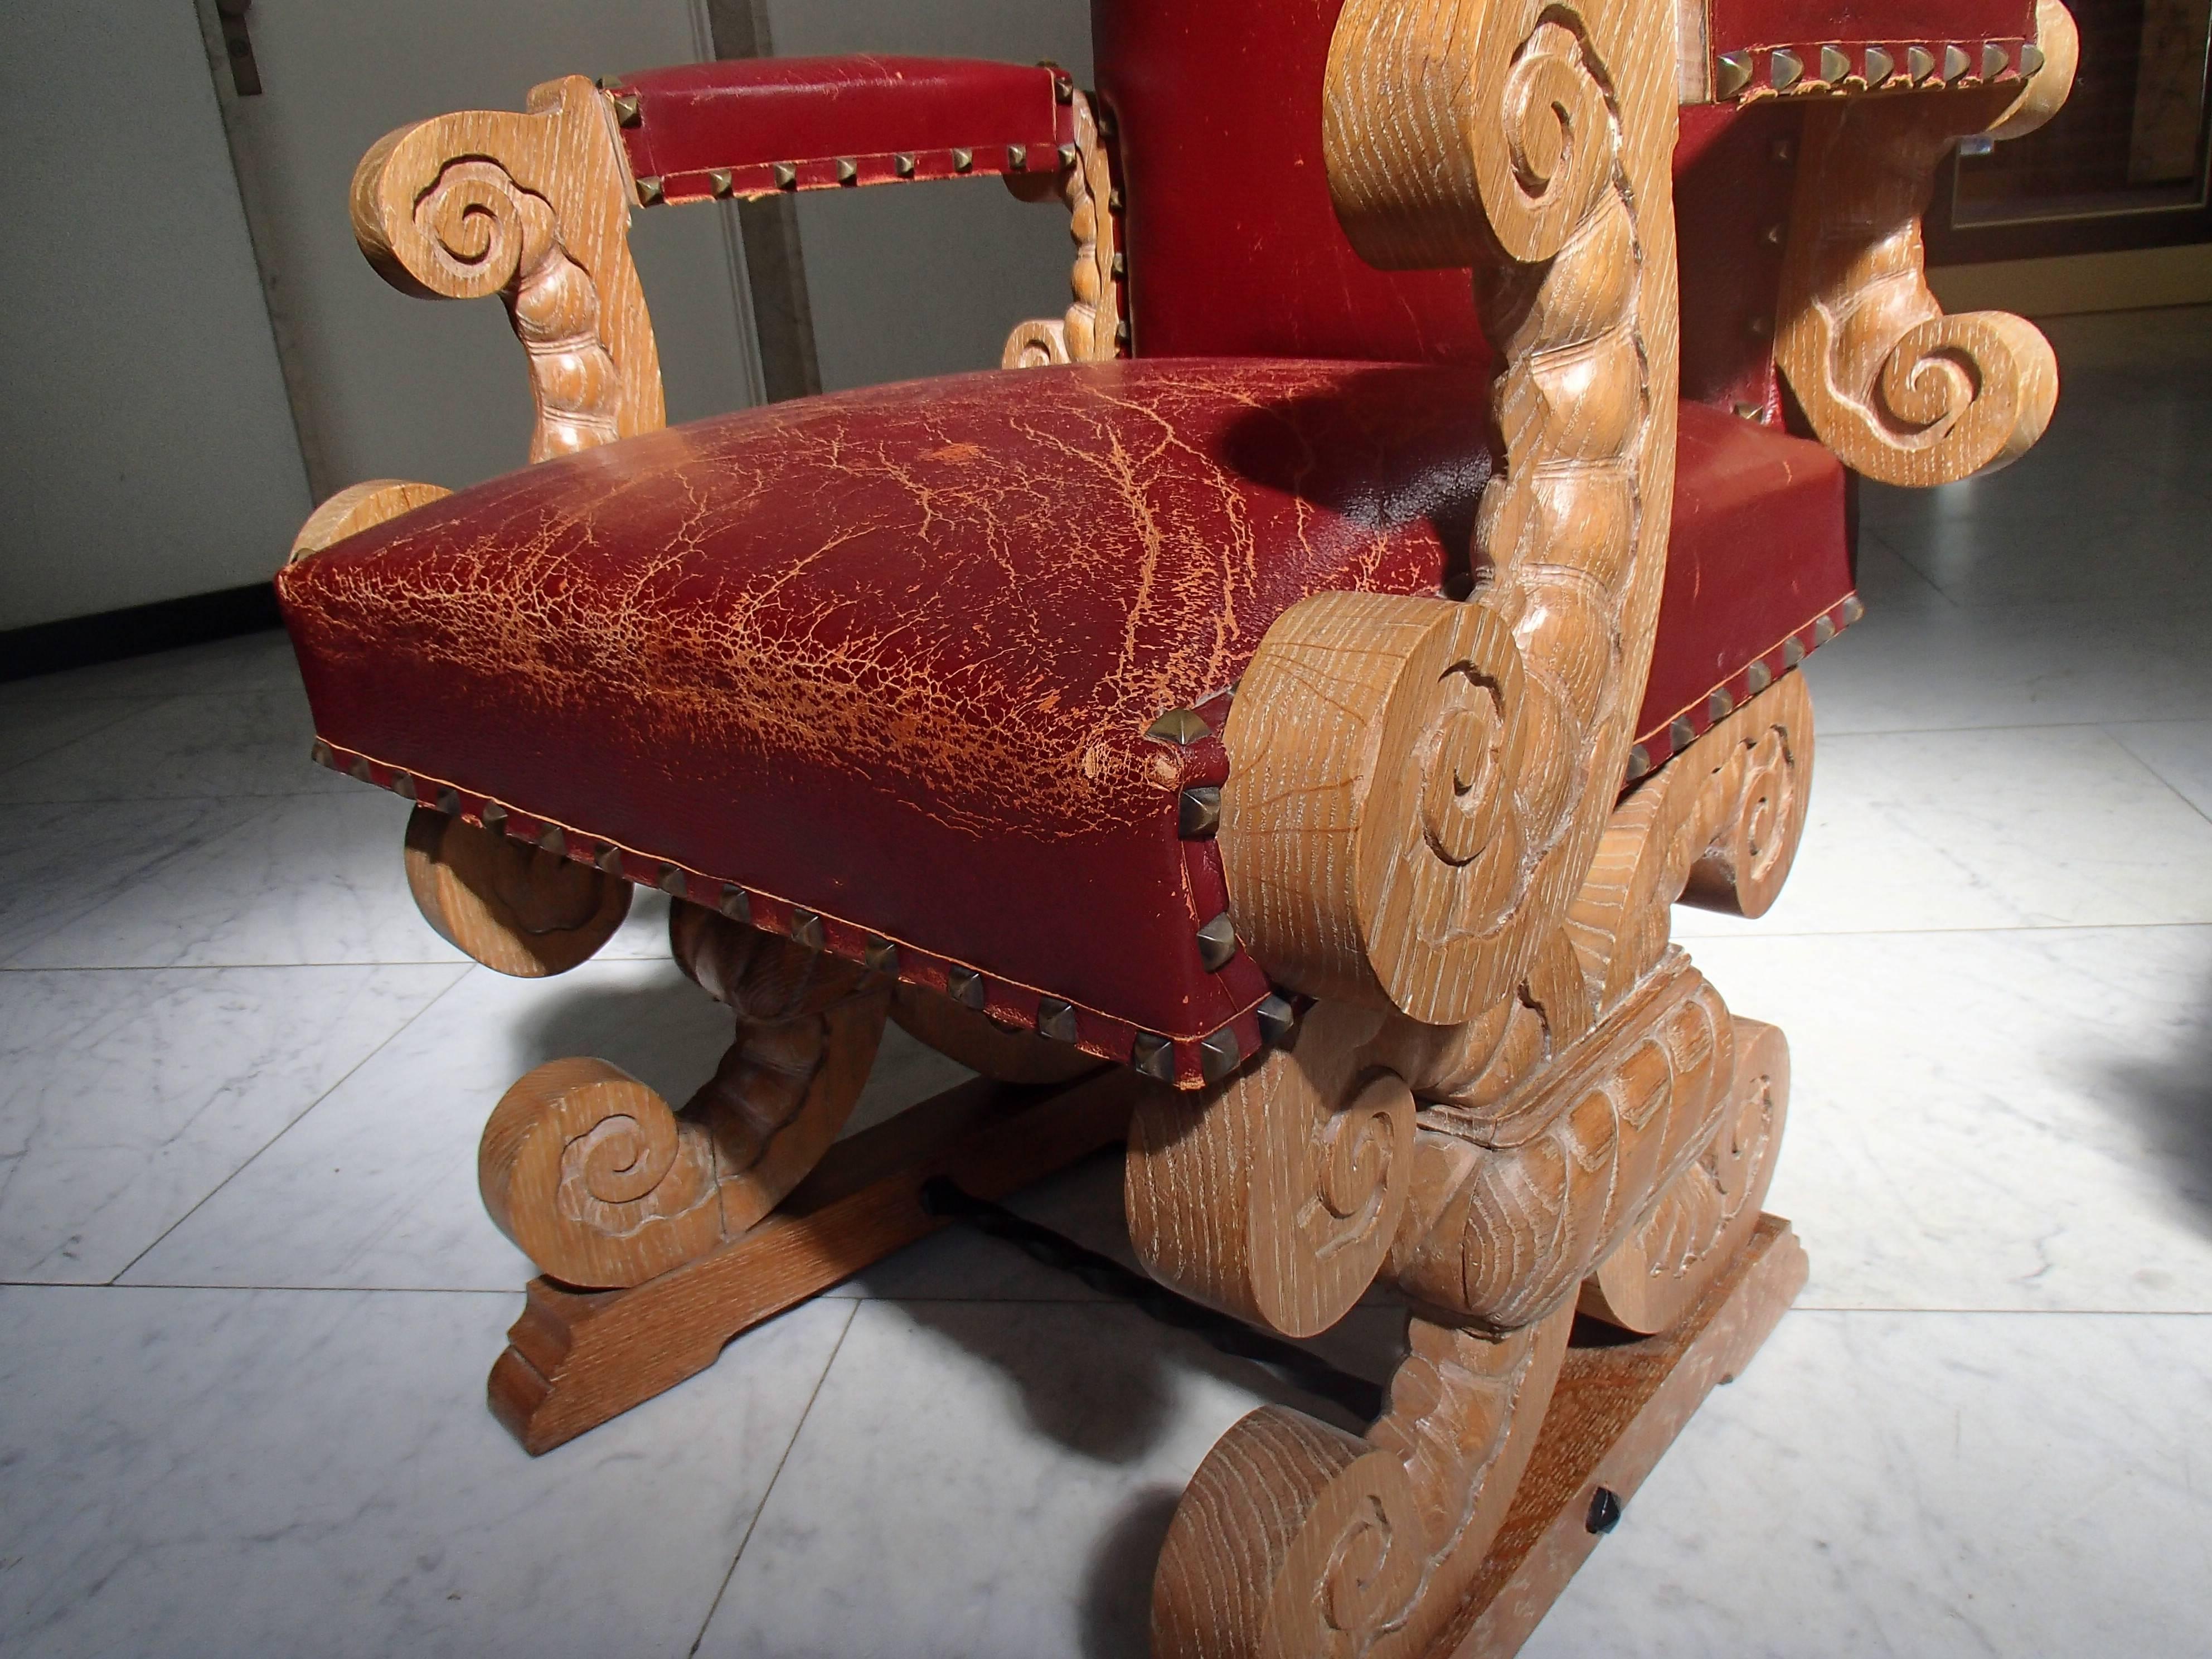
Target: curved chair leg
[(982, 1046), (515, 908), (1296, 1538), (600, 1184)]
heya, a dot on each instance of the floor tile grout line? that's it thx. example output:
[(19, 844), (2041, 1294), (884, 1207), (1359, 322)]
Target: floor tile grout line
[(2140, 760), (1686, 940), (287, 1289), (768, 1492), (291, 1123), (115, 720)]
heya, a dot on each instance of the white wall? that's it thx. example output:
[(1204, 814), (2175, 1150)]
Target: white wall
[(146, 449), (908, 282)]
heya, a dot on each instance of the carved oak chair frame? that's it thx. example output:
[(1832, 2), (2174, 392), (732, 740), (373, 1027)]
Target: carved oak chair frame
[(1487, 1080)]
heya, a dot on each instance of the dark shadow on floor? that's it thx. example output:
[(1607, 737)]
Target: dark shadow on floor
[(2169, 1098)]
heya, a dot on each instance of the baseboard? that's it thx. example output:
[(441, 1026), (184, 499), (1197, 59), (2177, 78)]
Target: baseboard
[(110, 635), (2134, 281)]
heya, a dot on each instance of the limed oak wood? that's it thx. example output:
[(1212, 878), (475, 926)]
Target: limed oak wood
[(1089, 331), (512, 906), (576, 1359), (358, 507)]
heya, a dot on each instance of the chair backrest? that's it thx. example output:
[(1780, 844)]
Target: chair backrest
[(1234, 249)]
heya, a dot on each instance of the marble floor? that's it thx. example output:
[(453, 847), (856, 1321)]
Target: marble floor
[(248, 1295)]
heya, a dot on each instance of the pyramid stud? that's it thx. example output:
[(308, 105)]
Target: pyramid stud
[(787, 176), (881, 956), (1731, 75), (1793, 651), (1069, 155), (1277, 1018), (2030, 58), (554, 840), (1200, 814), (673, 881), (1681, 734), (1181, 726), (1018, 158), (1217, 943), (1955, 61), (628, 110), (1784, 69), (403, 784), (449, 802), (1720, 705), (610, 859), (1919, 64), (319, 752), (1995, 60), (848, 170), (963, 161), (1854, 609), (965, 986), (1639, 763), (719, 181), (650, 193), (735, 903), (1218, 1055), (1879, 66), (902, 165), (807, 929), (1756, 679), (1153, 1055), (1056, 1019), (1834, 65), (1823, 631), (495, 816)]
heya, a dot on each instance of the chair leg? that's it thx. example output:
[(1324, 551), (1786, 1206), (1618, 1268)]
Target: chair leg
[(514, 907)]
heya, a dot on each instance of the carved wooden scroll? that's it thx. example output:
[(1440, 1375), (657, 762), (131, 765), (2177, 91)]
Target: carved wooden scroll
[(516, 908), (599, 1183), (358, 507), (1900, 391), (1361, 1547), (1480, 745), (534, 208), (1091, 330)]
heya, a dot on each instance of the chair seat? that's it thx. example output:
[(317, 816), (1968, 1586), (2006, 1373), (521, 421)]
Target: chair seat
[(894, 658)]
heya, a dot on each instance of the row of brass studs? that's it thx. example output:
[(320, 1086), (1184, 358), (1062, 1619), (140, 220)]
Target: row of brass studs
[(1681, 733), (653, 191), (1733, 72)]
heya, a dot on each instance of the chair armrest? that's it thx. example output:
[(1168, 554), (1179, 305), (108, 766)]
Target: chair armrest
[(755, 126), (1736, 51)]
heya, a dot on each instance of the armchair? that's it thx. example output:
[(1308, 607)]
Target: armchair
[(1272, 725)]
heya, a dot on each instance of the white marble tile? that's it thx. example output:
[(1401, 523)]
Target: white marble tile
[(58, 862), (29, 732), (2007, 827), (228, 1473), (1922, 1485), (1887, 584), (250, 662), (239, 742), (2179, 751), (1920, 667), (126, 1098), (2141, 560), (2000, 1120), (981, 1480)]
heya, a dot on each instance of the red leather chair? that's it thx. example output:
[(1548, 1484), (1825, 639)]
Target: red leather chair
[(1305, 684)]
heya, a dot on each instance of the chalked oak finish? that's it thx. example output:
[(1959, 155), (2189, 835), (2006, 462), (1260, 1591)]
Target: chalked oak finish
[(1328, 711)]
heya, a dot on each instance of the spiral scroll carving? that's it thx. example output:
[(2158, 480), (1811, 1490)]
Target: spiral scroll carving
[(512, 906), (1089, 331), (1902, 392), (1274, 1194), (534, 208), (599, 1183)]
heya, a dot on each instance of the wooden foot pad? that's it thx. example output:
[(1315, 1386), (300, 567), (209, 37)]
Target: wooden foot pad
[(1618, 1408), (576, 1359)]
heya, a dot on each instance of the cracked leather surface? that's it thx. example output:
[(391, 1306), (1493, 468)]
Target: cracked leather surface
[(892, 654)]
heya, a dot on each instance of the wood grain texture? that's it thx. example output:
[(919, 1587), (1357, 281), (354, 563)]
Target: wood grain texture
[(982, 1044), (1297, 1539), (577, 1358), (358, 507), (1717, 826), (1417, 788), (1900, 391), (1616, 1409), (600, 1184), (534, 208), (512, 906), (1274, 1193), (1090, 330), (1704, 1216)]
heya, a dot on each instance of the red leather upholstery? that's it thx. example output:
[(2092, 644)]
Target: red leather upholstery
[(1737, 25), (743, 116), (891, 655)]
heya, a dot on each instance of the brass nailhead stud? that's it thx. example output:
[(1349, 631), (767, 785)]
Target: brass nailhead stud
[(1834, 66), (1955, 61), (1781, 152), (1218, 1055), (403, 784), (1639, 763), (1018, 158), (1069, 155), (1854, 611), (1760, 328), (1784, 69), (735, 903), (1121, 334), (1919, 64), (1750, 411), (649, 192), (319, 752), (1720, 705), (807, 929), (1113, 200), (1056, 1019), (848, 170), (902, 165), (965, 986), (674, 882), (1107, 124), (1217, 943), (787, 176), (1756, 678), (1121, 264), (719, 181), (1201, 812), (1153, 1055), (360, 769), (1277, 1018), (1879, 66), (627, 110), (962, 159), (449, 802), (1731, 74), (1181, 726), (1793, 652), (552, 839), (610, 859), (1063, 89), (881, 956), (1995, 60), (495, 816), (1681, 734), (1776, 234), (2030, 58), (1823, 631)]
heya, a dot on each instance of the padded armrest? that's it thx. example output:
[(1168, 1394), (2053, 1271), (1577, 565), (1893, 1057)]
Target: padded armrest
[(756, 126)]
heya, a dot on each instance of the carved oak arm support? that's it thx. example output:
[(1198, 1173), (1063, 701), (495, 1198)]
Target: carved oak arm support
[(1901, 392)]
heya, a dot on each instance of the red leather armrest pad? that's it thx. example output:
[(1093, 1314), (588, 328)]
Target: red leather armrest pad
[(1738, 24), (746, 115)]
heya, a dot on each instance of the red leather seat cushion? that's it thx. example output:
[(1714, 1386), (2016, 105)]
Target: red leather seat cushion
[(890, 655)]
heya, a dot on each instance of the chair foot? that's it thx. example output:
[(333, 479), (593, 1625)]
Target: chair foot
[(515, 908)]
